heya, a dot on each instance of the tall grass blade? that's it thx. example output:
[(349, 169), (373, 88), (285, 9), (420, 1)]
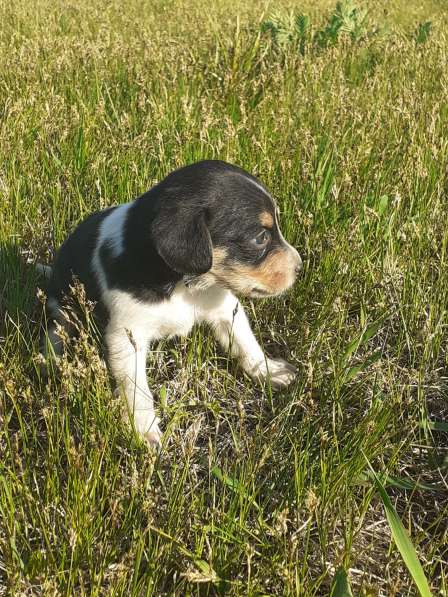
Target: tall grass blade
[(363, 338), (406, 484), (233, 484), (402, 539), (341, 585), (436, 425)]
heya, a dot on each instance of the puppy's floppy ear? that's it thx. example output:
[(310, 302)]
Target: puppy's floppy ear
[(182, 239)]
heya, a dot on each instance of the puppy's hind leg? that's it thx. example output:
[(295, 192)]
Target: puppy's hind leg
[(51, 343), (126, 350)]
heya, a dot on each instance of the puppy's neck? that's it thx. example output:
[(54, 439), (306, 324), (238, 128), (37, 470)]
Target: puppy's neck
[(198, 283)]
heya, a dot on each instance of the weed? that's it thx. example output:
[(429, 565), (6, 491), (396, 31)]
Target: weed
[(347, 20), (422, 32), (290, 29)]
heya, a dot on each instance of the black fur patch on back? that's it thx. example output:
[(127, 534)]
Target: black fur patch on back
[(74, 258)]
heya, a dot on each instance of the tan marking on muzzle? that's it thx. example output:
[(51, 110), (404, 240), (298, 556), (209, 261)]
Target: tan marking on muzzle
[(273, 275)]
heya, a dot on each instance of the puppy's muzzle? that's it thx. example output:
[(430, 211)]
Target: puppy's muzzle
[(299, 264)]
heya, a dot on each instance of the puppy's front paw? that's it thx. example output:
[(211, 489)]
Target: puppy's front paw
[(146, 424), (281, 373), (153, 435), (278, 371)]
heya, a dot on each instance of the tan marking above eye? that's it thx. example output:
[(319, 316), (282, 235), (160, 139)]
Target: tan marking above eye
[(266, 219)]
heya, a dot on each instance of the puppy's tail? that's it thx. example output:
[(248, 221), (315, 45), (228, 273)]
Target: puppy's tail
[(44, 270)]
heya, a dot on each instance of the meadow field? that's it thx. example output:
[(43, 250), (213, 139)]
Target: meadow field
[(253, 493)]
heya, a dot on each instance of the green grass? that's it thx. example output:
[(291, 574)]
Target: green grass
[(254, 493)]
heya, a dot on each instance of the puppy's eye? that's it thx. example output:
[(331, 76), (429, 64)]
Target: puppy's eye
[(262, 239)]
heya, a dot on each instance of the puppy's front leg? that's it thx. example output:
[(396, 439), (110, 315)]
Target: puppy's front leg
[(127, 360), (232, 330)]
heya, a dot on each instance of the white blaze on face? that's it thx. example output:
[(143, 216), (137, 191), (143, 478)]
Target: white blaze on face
[(259, 187)]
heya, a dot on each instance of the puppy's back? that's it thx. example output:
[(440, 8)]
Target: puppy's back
[(74, 259)]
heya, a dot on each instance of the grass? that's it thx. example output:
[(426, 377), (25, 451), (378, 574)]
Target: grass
[(254, 493)]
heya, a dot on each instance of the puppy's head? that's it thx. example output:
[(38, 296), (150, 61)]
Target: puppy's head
[(217, 224)]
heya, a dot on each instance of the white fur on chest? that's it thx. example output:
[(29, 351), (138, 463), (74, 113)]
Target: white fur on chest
[(171, 317)]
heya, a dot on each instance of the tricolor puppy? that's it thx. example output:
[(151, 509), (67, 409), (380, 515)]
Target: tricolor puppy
[(176, 256)]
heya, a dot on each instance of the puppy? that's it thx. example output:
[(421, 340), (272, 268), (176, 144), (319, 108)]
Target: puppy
[(174, 257)]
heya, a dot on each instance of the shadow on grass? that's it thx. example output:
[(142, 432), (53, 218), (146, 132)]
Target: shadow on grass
[(18, 282)]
